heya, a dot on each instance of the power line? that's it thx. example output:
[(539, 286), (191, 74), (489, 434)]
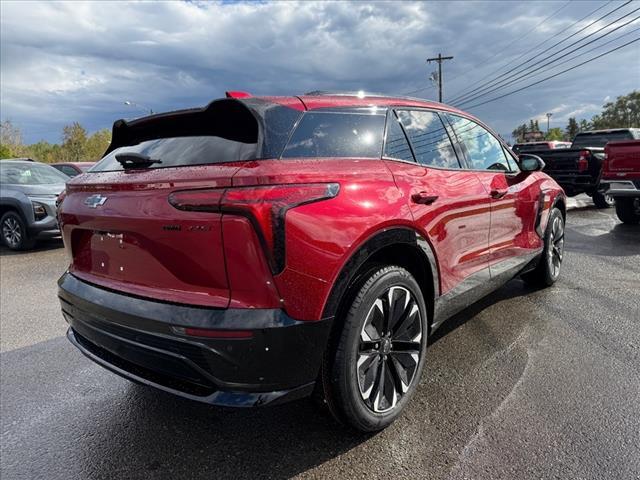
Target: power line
[(520, 37), (541, 71), (439, 59), (502, 84), (560, 32), (501, 75), (555, 75)]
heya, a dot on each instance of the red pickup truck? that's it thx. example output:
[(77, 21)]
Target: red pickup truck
[(621, 178)]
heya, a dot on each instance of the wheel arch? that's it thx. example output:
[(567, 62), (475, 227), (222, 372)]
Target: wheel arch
[(402, 246)]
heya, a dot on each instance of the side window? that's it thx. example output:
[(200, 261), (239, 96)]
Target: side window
[(513, 164), (482, 149), (396, 145), (326, 134), (429, 139), (68, 170)]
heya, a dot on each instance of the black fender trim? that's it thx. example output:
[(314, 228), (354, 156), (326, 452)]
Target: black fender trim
[(384, 238)]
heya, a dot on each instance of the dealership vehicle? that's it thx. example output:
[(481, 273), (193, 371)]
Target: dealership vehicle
[(538, 146), (28, 193), (263, 249), (621, 178), (577, 169), (73, 169)]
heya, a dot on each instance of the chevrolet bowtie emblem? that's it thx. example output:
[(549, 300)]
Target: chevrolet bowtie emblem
[(95, 201)]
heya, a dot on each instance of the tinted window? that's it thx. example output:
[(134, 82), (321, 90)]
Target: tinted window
[(181, 151), (30, 174), (482, 150), (66, 169), (600, 139), (325, 134), (396, 145), (530, 147), (429, 139)]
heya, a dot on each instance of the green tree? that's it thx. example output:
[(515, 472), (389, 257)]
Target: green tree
[(554, 134), (97, 144), (584, 125), (74, 139), (572, 128), (5, 151), (624, 112), (536, 126)]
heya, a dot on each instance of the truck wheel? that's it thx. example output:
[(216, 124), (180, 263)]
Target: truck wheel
[(628, 210), (603, 201), (548, 269), (380, 353), (14, 232)]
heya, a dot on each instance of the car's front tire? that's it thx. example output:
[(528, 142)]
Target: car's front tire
[(380, 353), (548, 269), (628, 210), (601, 200), (14, 232)]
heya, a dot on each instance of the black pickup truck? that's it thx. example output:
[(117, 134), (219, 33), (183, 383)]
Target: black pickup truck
[(578, 169)]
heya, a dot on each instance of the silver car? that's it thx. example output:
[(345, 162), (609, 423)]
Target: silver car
[(28, 194)]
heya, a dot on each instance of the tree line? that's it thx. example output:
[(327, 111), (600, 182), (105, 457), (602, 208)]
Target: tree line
[(624, 112), (76, 146)]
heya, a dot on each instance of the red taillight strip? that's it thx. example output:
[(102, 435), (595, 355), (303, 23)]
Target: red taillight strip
[(206, 333), (264, 205)]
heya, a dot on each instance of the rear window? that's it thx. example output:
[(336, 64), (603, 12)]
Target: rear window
[(331, 134), (600, 139), (529, 147), (182, 151), (30, 174), (225, 131)]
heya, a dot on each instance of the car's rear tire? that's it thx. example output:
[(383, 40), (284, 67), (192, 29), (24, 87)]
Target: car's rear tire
[(601, 200), (548, 269), (628, 210), (378, 356), (14, 232)]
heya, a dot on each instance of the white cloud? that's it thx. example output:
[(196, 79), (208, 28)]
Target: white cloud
[(70, 61)]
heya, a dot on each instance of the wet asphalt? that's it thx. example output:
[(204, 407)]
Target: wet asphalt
[(524, 384)]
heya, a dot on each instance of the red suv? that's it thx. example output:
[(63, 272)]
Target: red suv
[(258, 250)]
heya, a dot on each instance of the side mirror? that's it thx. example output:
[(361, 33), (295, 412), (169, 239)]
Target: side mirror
[(530, 163)]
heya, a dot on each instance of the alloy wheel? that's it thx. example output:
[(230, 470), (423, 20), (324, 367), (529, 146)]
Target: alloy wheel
[(389, 350), (11, 232), (556, 246)]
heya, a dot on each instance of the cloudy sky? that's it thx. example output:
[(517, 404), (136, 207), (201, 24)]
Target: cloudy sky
[(79, 61)]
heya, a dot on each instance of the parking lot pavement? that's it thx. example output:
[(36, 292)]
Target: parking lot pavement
[(524, 384)]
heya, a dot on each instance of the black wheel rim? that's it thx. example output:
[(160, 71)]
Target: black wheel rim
[(11, 231), (556, 247), (389, 350)]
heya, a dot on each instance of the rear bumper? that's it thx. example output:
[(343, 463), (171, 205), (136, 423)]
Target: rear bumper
[(140, 340), (620, 188), (574, 183)]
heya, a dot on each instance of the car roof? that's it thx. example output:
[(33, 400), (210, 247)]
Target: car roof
[(316, 100), (609, 130), (18, 161), (79, 164)]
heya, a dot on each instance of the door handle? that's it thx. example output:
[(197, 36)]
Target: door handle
[(498, 193), (423, 198)]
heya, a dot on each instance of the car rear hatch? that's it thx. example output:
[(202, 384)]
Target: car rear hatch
[(118, 224)]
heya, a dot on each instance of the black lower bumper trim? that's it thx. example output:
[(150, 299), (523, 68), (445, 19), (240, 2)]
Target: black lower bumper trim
[(279, 362)]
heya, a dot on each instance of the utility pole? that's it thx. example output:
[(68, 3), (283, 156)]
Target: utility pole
[(439, 59), (548, 117)]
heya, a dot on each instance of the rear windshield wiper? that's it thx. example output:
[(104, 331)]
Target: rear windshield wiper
[(135, 160)]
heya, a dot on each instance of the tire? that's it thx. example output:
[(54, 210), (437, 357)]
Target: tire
[(548, 269), (14, 232), (603, 201), (374, 373), (628, 210)]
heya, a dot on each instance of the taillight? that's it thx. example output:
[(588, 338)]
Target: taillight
[(583, 162), (264, 206)]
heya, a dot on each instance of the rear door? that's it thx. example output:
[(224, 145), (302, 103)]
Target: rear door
[(448, 204), (514, 195)]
